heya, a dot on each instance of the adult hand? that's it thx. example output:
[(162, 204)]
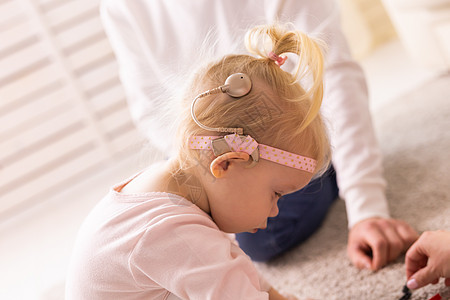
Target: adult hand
[(429, 259), (374, 242)]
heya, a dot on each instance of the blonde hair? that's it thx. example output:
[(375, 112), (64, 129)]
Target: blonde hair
[(278, 111)]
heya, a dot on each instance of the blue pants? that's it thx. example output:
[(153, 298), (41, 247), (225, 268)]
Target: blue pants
[(300, 214)]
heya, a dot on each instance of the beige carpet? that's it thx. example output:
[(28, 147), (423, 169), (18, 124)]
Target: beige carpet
[(414, 134)]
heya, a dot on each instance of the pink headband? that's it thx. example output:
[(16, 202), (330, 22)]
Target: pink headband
[(240, 143), (279, 60)]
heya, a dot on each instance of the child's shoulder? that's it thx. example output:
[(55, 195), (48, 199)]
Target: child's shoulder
[(152, 179)]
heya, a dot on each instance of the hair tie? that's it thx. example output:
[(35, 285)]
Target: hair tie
[(279, 60)]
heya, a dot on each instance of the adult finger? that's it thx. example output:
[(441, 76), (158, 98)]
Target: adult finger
[(421, 278), (415, 259), (379, 245), (395, 243), (360, 257)]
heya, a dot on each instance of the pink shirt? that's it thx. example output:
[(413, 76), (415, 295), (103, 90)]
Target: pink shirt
[(157, 246)]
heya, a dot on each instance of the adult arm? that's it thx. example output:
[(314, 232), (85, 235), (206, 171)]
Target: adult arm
[(142, 46), (374, 238)]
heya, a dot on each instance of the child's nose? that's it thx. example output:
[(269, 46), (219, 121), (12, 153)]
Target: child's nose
[(274, 211)]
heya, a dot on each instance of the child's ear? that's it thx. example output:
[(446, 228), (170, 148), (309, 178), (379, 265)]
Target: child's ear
[(220, 164)]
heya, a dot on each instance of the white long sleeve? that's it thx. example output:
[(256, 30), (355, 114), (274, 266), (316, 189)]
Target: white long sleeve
[(156, 40)]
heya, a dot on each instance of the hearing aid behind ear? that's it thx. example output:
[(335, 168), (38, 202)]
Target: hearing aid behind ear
[(237, 85), (220, 147)]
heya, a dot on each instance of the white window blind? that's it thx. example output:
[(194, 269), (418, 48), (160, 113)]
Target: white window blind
[(63, 114)]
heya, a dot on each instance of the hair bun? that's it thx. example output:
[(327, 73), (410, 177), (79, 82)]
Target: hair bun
[(277, 39)]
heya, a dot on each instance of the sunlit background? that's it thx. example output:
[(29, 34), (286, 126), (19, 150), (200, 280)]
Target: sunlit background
[(66, 134)]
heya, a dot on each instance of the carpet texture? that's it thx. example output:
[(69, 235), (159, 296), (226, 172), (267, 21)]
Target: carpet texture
[(414, 135)]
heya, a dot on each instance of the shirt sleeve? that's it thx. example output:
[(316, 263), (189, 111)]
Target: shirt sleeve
[(136, 38), (191, 258), (265, 285), (356, 158)]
